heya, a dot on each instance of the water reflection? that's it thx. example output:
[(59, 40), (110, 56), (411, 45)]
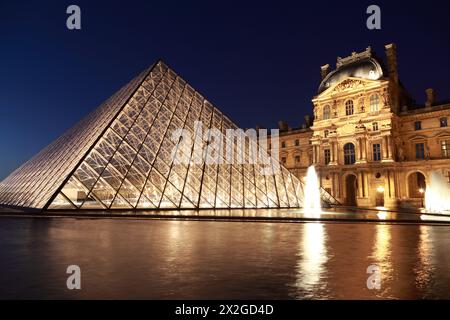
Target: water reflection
[(312, 257), (382, 257), (163, 259), (423, 268), (382, 244)]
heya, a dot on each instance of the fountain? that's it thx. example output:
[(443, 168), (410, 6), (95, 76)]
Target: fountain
[(437, 193), (311, 196)]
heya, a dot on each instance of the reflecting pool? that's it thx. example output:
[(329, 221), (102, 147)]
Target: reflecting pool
[(170, 259)]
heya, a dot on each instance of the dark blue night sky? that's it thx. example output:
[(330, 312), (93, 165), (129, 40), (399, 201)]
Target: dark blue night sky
[(258, 62)]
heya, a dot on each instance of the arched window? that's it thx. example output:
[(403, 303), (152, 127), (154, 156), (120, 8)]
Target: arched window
[(326, 112), (349, 153), (325, 133), (374, 102), (349, 107)]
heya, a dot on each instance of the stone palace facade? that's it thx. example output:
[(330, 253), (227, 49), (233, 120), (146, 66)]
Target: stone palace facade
[(371, 144)]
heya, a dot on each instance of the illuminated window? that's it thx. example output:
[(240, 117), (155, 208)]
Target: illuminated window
[(376, 147), (327, 156), (349, 153), (375, 126), (445, 148), (349, 107), (374, 102), (326, 112), (420, 150)]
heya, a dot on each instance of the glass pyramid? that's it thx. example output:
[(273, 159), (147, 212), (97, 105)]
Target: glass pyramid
[(123, 156)]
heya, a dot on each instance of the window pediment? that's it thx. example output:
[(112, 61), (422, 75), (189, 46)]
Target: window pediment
[(444, 134), (418, 137)]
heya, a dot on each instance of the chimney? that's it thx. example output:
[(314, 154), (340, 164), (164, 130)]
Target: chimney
[(430, 97), (325, 70), (282, 125), (391, 55)]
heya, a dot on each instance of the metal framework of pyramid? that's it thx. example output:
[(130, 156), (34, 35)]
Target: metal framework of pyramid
[(120, 157)]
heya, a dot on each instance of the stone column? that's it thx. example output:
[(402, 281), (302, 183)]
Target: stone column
[(337, 179), (358, 150), (314, 154), (332, 184), (318, 154), (331, 152), (336, 155), (384, 148), (366, 184), (389, 147), (391, 174), (364, 149), (360, 184), (363, 186)]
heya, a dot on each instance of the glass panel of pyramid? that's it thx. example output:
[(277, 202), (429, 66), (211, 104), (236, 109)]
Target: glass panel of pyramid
[(126, 155)]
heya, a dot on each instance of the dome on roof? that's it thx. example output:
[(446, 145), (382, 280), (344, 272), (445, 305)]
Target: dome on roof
[(365, 68)]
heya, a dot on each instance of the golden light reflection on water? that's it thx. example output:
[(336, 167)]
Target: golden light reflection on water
[(382, 245), (423, 269), (312, 258), (381, 253)]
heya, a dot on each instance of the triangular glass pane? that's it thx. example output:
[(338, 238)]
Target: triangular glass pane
[(185, 203), (144, 203), (166, 203), (61, 202), (152, 193), (92, 203), (75, 191), (120, 203)]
